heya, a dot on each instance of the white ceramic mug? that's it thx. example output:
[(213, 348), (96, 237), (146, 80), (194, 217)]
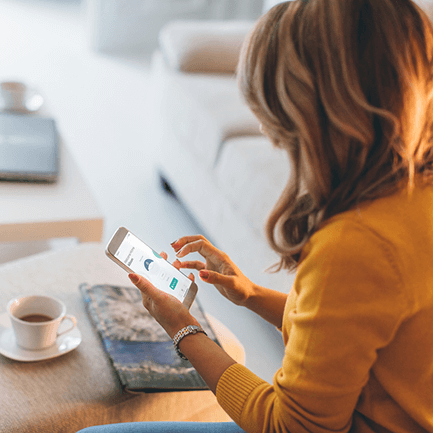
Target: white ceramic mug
[(40, 334), (13, 95), (17, 97)]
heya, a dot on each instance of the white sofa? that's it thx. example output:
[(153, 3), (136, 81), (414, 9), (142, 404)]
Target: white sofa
[(211, 151), (219, 166)]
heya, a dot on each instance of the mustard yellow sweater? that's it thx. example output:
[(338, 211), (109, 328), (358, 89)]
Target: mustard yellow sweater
[(358, 329)]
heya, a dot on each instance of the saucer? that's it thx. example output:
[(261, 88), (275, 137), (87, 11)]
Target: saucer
[(9, 348)]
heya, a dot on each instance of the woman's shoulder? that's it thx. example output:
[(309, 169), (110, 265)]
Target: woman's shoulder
[(390, 236), (406, 214), (381, 250)]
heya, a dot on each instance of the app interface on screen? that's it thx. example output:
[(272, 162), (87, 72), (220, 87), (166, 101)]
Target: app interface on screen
[(144, 261)]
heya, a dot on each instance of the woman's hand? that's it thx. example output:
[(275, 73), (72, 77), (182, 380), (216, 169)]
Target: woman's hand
[(167, 310), (208, 358), (218, 269)]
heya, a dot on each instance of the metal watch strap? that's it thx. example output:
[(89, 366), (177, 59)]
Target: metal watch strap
[(190, 329)]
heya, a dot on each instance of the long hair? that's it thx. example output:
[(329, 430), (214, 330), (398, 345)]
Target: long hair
[(345, 87)]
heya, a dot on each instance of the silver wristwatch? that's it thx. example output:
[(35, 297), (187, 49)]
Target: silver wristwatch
[(190, 329)]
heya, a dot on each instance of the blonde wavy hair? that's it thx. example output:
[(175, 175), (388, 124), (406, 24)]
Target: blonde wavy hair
[(345, 86)]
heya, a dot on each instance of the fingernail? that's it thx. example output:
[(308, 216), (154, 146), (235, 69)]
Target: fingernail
[(173, 242), (204, 275), (134, 278)]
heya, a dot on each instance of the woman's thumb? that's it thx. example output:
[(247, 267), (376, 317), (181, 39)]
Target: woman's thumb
[(141, 283), (134, 278)]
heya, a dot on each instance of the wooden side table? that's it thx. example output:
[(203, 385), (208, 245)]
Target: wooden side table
[(67, 208), (79, 388)]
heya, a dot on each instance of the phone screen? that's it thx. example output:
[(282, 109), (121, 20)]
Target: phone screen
[(144, 261)]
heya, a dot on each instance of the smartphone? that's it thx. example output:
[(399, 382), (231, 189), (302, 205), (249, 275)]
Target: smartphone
[(136, 257)]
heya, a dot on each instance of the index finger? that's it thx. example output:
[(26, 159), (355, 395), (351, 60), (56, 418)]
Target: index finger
[(177, 245), (199, 244)]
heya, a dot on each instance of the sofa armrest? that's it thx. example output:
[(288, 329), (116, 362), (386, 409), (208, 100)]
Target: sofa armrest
[(203, 46)]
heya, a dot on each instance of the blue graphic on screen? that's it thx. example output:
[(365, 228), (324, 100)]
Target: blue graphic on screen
[(147, 264)]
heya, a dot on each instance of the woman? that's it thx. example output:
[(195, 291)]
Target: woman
[(345, 86)]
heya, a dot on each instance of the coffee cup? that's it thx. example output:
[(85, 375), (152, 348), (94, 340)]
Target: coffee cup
[(17, 97), (36, 320)]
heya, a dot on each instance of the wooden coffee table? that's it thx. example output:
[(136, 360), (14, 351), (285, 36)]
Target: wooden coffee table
[(79, 389)]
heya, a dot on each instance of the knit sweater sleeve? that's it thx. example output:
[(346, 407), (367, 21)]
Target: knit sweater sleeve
[(349, 305)]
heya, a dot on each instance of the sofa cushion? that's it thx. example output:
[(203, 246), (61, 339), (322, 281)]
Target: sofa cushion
[(203, 109), (269, 4), (203, 46), (252, 173)]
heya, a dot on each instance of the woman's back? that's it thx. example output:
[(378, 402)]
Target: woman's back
[(372, 271)]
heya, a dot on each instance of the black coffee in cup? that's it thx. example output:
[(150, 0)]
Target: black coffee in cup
[(36, 318)]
